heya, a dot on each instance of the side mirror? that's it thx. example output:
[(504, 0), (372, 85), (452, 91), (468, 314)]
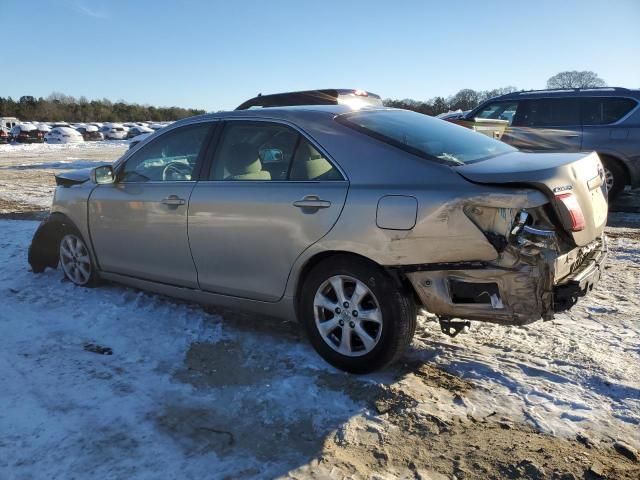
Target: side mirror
[(103, 175)]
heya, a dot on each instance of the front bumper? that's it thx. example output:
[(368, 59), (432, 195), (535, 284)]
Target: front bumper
[(522, 293)]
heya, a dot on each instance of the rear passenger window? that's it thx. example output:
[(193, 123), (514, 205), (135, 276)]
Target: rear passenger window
[(602, 111), (266, 151), (548, 112), (254, 151), (310, 164)]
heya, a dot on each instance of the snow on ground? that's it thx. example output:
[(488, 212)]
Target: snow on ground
[(189, 394), (17, 150), (579, 373), (27, 170)]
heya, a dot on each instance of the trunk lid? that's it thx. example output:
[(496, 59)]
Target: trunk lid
[(558, 176)]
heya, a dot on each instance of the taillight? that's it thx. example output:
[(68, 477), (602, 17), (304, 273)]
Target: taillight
[(570, 201)]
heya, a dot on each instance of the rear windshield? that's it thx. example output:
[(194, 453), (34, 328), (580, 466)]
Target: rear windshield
[(425, 136)]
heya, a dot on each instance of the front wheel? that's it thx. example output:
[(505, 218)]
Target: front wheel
[(357, 318), (76, 261)]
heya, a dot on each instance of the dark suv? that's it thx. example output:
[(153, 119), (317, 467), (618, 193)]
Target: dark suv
[(605, 120)]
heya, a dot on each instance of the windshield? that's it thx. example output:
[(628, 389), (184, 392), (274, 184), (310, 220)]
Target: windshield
[(425, 136)]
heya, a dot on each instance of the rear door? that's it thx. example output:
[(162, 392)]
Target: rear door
[(270, 194), (546, 124), (139, 223)]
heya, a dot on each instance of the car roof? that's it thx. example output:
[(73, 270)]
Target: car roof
[(571, 92), (279, 113)]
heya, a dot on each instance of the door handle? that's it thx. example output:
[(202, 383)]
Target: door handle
[(312, 202), (173, 200)]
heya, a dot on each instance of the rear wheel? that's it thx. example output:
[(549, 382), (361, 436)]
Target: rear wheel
[(355, 315), (614, 177), (76, 261)]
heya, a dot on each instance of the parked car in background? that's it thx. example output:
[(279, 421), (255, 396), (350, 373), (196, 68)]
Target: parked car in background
[(4, 135), (63, 135), (138, 130), (8, 122), (114, 131), (43, 128), (604, 120), (136, 140), (26, 133), (90, 133), (157, 126), (449, 116), (348, 220)]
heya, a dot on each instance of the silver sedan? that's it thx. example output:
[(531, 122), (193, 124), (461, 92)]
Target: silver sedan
[(346, 220)]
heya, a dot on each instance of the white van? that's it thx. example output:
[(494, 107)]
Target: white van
[(8, 122)]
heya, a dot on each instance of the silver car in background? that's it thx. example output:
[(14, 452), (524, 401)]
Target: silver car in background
[(347, 220)]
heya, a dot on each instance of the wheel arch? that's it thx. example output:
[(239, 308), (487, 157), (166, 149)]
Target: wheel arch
[(43, 251), (320, 257), (620, 162)]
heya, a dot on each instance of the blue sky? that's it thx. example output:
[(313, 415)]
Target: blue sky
[(214, 54)]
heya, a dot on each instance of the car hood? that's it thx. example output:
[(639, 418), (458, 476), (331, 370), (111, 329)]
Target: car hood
[(75, 177)]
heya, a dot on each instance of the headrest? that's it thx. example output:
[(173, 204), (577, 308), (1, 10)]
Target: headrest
[(244, 159)]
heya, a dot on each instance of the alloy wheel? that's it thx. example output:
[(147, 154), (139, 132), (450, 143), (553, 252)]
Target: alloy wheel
[(75, 260), (347, 316), (609, 179)]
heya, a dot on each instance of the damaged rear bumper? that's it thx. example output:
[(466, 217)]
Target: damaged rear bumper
[(582, 280), (521, 293)]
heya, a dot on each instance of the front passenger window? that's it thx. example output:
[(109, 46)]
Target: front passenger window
[(169, 158), (499, 111)]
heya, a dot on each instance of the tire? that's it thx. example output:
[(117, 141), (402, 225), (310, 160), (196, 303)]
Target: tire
[(614, 172), (382, 326), (75, 259)]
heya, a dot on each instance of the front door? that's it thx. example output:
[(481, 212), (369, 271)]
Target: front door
[(270, 194), (138, 224)]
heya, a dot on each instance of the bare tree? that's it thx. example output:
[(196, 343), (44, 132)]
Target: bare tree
[(496, 92), (575, 79), (465, 99)]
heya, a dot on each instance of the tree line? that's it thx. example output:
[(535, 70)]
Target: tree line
[(61, 107), (465, 99), (468, 99)]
